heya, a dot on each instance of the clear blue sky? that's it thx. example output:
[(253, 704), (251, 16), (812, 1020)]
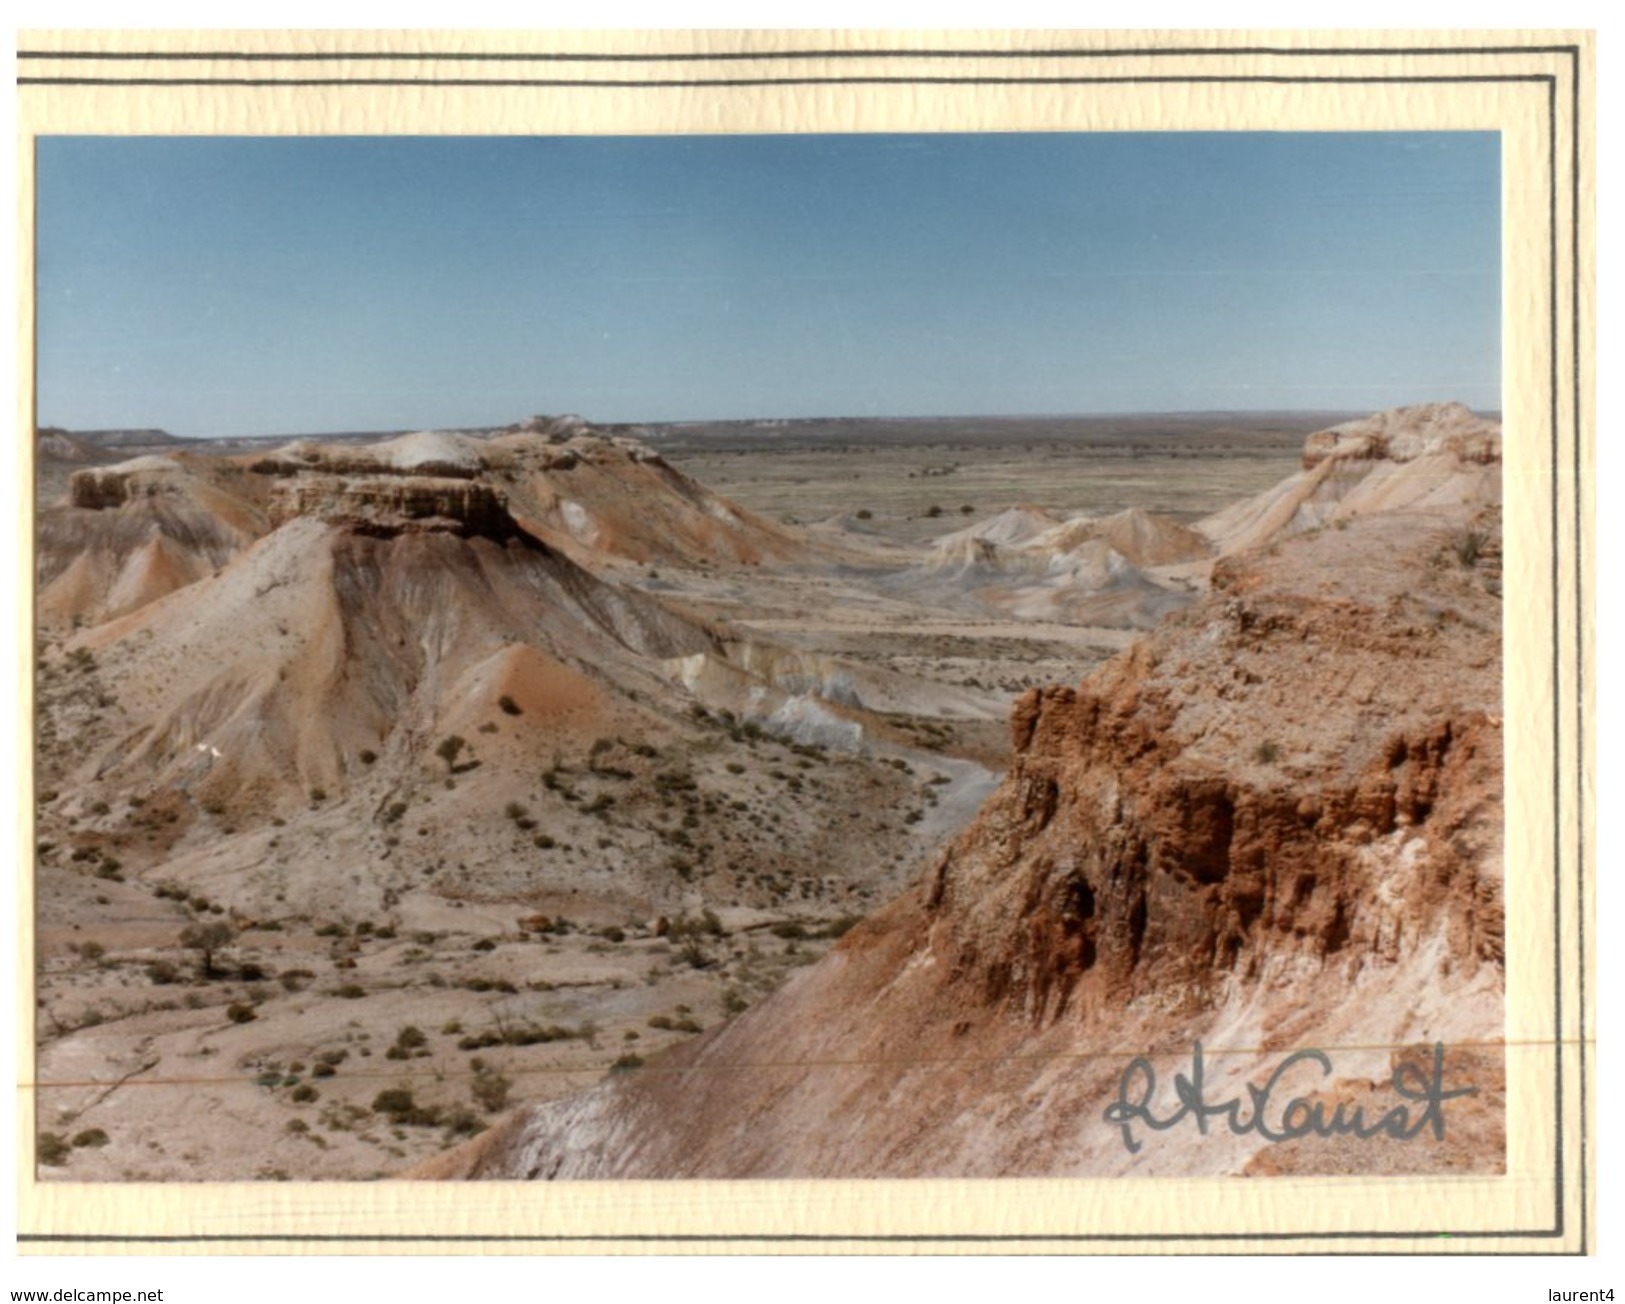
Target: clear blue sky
[(224, 286)]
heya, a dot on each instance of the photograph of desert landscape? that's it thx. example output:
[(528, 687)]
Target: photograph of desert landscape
[(832, 656)]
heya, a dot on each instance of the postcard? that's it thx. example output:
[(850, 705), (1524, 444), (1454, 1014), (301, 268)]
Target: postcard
[(728, 641)]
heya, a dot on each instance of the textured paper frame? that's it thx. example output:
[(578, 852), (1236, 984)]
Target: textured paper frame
[(1532, 87)]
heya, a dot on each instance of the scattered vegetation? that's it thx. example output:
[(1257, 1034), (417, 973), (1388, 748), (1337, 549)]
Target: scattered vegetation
[(449, 749), (208, 940), (52, 1149), (489, 1088)]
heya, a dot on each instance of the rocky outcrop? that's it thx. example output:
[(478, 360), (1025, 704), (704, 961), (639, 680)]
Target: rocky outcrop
[(1405, 434), (103, 487), (1434, 458), (553, 429), (393, 505)]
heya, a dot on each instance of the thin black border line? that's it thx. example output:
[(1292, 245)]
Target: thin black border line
[(737, 56), (1557, 647), (1579, 616), (573, 83), (799, 1237), (1557, 1230)]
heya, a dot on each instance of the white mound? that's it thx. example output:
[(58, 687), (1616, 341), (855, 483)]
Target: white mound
[(429, 448)]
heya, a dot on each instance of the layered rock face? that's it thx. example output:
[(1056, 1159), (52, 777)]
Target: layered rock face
[(1405, 434), (1274, 823), (103, 487), (1179, 823), (384, 505)]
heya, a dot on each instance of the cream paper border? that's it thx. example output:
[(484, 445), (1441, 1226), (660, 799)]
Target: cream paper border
[(1476, 83)]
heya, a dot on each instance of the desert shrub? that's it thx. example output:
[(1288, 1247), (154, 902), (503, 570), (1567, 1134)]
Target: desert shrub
[(294, 980), (351, 991), (626, 1063), (520, 1035), (508, 705), (393, 1100), (449, 748), (461, 1121), (323, 1071), (51, 1149), (162, 972), (515, 811), (490, 1089), (1267, 753), (788, 929), (367, 756), (864, 514), (296, 1126), (91, 1136), (410, 1038), (1468, 545), (402, 1110), (240, 1012), (304, 1094), (207, 940)]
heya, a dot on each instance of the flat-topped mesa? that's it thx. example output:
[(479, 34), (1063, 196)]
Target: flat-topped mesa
[(390, 505), (102, 487), (1405, 434)]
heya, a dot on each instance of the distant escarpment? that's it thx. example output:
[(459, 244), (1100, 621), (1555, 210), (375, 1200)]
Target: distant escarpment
[(1273, 823)]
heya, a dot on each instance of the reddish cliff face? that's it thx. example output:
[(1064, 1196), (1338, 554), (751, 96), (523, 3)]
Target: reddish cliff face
[(1273, 824)]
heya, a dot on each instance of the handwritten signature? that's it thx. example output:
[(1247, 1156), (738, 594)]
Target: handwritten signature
[(1300, 1116)]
